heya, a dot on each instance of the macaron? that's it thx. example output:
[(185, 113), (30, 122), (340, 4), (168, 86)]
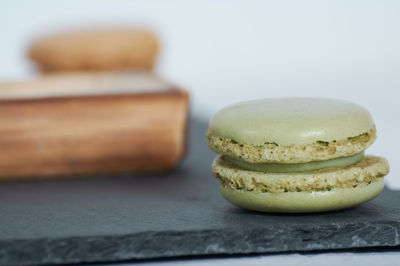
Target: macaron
[(295, 155), (95, 50)]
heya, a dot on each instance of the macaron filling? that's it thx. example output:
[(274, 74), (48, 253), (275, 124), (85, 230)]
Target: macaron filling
[(340, 162)]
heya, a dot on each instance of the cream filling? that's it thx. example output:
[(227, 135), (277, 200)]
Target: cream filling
[(300, 167)]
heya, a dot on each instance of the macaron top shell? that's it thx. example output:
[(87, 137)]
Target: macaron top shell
[(290, 121)]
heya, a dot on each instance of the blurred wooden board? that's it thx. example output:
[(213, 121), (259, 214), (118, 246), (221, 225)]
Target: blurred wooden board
[(177, 214), (89, 124)]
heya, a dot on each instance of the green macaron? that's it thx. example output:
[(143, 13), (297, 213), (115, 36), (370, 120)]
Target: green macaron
[(295, 155)]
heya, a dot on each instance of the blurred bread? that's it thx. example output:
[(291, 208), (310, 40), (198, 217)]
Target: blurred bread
[(93, 50)]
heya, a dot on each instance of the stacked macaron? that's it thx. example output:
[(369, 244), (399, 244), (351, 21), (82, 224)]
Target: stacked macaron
[(295, 155)]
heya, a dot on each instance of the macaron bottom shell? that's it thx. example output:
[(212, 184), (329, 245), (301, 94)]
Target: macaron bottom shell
[(303, 201)]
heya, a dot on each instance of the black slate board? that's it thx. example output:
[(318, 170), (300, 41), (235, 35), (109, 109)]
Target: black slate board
[(179, 214)]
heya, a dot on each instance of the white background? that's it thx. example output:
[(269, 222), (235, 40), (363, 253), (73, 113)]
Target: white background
[(229, 51)]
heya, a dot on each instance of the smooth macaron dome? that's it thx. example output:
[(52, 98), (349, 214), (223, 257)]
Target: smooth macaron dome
[(293, 145), (291, 130)]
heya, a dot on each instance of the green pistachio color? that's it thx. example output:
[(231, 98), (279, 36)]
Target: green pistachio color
[(271, 151), (290, 121), (298, 202), (300, 167)]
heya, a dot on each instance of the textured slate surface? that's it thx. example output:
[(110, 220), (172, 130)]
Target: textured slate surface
[(179, 214)]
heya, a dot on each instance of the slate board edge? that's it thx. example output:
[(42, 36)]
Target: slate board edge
[(167, 244)]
